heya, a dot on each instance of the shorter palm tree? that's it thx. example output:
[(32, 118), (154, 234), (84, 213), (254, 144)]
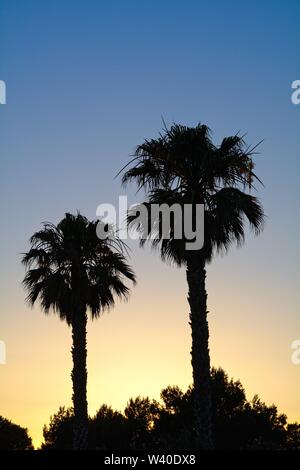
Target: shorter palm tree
[(71, 271)]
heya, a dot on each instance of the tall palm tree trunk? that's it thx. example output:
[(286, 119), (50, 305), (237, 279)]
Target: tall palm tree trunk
[(79, 380), (197, 295)]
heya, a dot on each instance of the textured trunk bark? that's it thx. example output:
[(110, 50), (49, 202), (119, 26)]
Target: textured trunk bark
[(197, 296), (79, 380)]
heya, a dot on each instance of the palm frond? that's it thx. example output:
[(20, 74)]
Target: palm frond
[(184, 166), (68, 265)]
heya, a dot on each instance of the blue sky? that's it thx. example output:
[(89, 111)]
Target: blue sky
[(89, 80)]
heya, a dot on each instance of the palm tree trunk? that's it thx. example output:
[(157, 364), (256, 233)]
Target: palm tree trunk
[(202, 426), (79, 380)]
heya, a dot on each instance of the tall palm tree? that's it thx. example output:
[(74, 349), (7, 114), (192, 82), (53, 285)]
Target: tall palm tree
[(183, 166), (71, 271)]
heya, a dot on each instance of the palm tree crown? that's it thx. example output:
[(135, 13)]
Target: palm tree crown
[(183, 166), (68, 266)]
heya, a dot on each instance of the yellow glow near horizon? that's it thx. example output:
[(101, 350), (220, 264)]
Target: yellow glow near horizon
[(142, 346)]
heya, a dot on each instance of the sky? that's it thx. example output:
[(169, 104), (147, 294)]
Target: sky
[(86, 82)]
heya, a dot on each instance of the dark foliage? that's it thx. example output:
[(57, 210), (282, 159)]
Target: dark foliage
[(13, 436), (166, 426)]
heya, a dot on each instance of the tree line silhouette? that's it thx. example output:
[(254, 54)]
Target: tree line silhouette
[(147, 424), (70, 271)]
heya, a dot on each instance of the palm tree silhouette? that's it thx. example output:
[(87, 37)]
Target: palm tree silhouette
[(71, 271), (183, 166)]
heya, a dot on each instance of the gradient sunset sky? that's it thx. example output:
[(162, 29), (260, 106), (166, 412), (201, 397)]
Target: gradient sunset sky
[(86, 82)]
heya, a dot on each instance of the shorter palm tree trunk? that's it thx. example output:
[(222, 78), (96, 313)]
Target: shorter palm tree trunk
[(79, 380), (202, 426)]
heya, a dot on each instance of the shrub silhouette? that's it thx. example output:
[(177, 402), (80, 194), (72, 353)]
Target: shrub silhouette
[(166, 426), (13, 436)]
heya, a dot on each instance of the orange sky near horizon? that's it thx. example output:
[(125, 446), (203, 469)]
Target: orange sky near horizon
[(143, 345)]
